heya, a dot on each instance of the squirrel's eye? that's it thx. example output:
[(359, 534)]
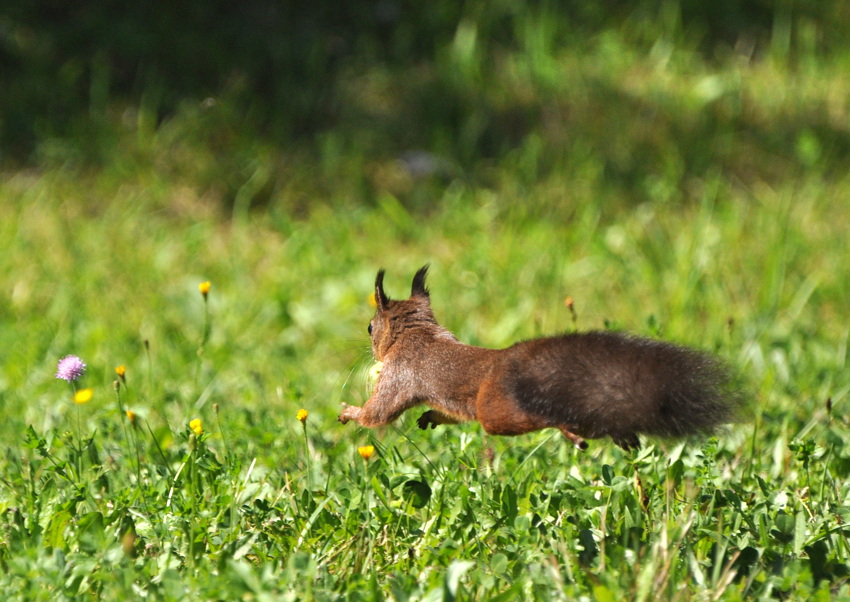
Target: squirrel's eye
[(370, 329)]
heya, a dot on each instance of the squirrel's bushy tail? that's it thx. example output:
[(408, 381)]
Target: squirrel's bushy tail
[(671, 391), (692, 392), (620, 385)]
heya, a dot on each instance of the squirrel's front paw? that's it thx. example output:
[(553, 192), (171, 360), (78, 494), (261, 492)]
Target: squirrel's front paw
[(427, 419), (348, 413)]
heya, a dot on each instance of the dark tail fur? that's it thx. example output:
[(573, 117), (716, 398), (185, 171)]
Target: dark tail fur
[(619, 385)]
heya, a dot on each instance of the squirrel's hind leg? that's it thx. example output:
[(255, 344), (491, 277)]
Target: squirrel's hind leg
[(579, 442)]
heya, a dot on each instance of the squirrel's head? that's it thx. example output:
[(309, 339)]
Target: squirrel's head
[(396, 319)]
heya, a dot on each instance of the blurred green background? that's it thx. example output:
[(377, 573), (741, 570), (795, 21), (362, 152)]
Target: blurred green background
[(647, 96), (670, 162), (426, 127)]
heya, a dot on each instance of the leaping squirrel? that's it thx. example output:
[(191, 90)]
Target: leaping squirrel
[(587, 385)]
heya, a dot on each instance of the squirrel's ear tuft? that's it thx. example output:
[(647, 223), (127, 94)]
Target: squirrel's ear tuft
[(418, 289), (380, 297)]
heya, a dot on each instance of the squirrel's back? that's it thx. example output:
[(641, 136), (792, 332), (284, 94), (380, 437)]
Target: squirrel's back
[(606, 383)]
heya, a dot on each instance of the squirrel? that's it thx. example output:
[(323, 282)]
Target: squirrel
[(588, 385)]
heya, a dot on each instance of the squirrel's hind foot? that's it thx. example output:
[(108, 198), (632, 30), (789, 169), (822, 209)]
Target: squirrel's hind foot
[(427, 419), (434, 417), (577, 441)]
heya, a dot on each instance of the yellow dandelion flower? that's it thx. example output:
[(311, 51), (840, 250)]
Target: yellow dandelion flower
[(366, 451), (131, 416), (121, 371), (83, 395), (204, 287), (196, 426), (302, 415), (371, 300)]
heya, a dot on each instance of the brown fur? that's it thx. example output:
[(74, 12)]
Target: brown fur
[(587, 385)]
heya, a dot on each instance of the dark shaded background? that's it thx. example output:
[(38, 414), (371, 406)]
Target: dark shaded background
[(69, 68)]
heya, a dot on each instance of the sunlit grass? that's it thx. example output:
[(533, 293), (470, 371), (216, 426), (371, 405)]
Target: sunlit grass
[(753, 280)]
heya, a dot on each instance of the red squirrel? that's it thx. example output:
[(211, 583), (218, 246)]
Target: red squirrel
[(587, 385)]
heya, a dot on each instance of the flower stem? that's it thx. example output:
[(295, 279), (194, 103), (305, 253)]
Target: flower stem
[(204, 338), (79, 446), (307, 456)]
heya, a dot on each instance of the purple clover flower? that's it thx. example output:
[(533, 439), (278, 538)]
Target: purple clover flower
[(70, 368)]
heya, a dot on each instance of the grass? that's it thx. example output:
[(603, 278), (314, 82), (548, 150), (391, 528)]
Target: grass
[(701, 223), (252, 507)]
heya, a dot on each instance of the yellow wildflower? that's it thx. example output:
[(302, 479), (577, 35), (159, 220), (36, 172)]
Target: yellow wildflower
[(371, 300), (196, 426), (204, 287), (366, 451), (83, 395), (302, 415), (131, 416)]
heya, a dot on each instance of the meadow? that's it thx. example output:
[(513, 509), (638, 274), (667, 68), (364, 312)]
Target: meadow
[(703, 201)]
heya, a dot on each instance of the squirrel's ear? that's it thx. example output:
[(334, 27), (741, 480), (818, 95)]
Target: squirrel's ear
[(418, 289), (380, 296)]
